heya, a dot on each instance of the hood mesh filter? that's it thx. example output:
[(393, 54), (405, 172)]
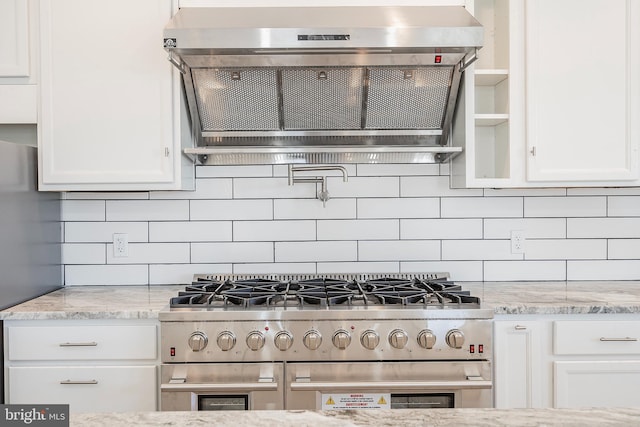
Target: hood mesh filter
[(407, 99), (244, 99), (339, 98), (322, 98)]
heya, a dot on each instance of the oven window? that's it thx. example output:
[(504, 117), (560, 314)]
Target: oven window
[(223, 403), (420, 401)]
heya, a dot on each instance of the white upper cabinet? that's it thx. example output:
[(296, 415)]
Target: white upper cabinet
[(18, 99), (109, 115), (582, 90)]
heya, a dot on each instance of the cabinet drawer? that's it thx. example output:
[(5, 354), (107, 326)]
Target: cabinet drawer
[(82, 342), (596, 337), (86, 388)]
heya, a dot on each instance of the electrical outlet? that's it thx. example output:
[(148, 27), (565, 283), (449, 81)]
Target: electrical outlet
[(120, 245), (517, 241)]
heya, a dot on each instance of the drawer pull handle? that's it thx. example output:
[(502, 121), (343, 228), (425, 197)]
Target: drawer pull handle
[(79, 344), (65, 382), (520, 328), (618, 339)]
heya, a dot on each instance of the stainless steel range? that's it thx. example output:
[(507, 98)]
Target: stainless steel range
[(325, 342)]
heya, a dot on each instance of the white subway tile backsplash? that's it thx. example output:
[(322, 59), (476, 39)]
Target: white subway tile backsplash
[(399, 208), (441, 228), (220, 188), (624, 249), (313, 209), (624, 206), (464, 271), (147, 210), (398, 169), (566, 249), (604, 270), (385, 219), (83, 210), (611, 191), (232, 252), (258, 231), (151, 253), (170, 274), (364, 187), (78, 232), (105, 195), (192, 231), (358, 267), (234, 171), (432, 186), (534, 228), (82, 253), (315, 251), (565, 206), (400, 250), (358, 229), (511, 192), (505, 271), (218, 210), (106, 275), (481, 207), (603, 228), (468, 250), (271, 188)]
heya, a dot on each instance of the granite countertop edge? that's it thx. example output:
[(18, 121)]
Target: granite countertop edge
[(503, 298)]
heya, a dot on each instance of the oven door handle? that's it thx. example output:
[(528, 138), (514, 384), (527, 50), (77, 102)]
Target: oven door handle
[(389, 385), (263, 386)]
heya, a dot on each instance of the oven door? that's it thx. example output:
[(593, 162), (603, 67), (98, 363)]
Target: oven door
[(394, 385), (221, 386)]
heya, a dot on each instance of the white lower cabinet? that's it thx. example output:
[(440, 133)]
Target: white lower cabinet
[(567, 361), (518, 364), (86, 388), (94, 366)]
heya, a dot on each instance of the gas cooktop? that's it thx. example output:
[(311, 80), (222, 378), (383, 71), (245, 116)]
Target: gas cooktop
[(426, 291)]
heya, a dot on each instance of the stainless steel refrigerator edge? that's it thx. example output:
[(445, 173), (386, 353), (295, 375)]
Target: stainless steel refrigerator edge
[(30, 232)]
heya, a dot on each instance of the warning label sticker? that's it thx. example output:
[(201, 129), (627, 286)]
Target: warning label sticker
[(356, 401)]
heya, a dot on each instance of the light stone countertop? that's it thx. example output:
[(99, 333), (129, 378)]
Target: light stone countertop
[(145, 302), (391, 418)]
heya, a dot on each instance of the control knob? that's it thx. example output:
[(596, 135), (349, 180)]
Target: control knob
[(341, 339), (255, 340), (455, 338), (369, 339), (283, 340), (198, 341), (226, 340), (426, 339), (312, 339), (398, 338)]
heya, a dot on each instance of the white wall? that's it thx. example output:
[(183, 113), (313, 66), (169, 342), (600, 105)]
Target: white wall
[(387, 218)]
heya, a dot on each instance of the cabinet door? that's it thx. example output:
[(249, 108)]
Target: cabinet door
[(106, 117), (582, 90), (597, 384), (518, 368), (85, 388)]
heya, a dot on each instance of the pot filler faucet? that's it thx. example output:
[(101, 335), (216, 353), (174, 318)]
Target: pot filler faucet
[(323, 194)]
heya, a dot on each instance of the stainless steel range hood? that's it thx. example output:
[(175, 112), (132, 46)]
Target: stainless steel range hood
[(322, 84)]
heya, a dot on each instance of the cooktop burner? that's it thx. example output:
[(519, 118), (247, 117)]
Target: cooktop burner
[(237, 293)]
